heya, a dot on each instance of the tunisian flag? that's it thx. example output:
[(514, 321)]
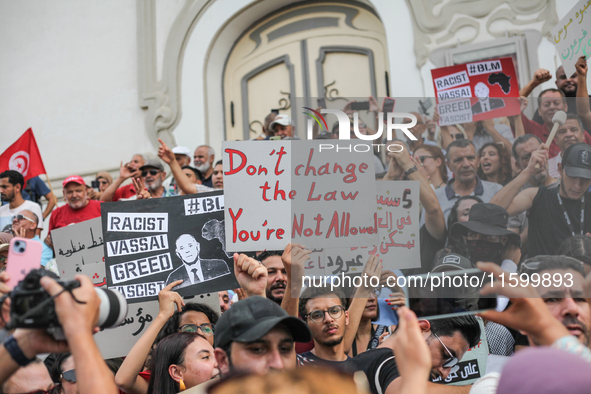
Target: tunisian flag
[(23, 156)]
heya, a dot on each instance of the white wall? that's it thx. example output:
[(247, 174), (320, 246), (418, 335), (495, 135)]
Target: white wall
[(69, 71)]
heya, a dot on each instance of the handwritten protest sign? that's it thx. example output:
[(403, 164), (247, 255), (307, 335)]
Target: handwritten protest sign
[(396, 221), (118, 341), (150, 243), (79, 250), (300, 191), (572, 36), (473, 365), (476, 91)]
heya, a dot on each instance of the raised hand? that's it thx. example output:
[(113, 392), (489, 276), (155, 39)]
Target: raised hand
[(140, 190), (251, 274), (165, 153), (170, 301), (542, 75), (294, 259)]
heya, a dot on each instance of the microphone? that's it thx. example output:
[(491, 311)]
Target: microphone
[(558, 119)]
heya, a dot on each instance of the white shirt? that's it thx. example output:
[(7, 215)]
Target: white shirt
[(6, 213)]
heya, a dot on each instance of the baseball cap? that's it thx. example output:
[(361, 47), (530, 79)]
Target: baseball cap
[(283, 120), (152, 163), (487, 219), (251, 319), (452, 262), (181, 150), (577, 161), (74, 178)]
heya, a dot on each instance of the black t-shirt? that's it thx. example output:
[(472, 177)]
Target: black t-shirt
[(309, 358), (429, 246), (380, 368), (547, 225)]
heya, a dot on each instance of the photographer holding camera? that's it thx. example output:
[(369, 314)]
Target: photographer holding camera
[(78, 312)]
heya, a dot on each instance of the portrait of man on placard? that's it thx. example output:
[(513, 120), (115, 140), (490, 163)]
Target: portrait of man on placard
[(485, 103), (194, 269)]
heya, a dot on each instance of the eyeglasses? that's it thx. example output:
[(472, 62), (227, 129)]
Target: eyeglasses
[(152, 172), (69, 376), (21, 217), (318, 315), (422, 158), (206, 328), (451, 361)]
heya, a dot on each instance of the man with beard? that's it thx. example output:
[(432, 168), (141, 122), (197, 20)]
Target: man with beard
[(152, 175), (565, 299), (558, 211), (276, 274), (325, 314), (203, 160), (78, 208), (522, 150), (11, 187), (463, 162)]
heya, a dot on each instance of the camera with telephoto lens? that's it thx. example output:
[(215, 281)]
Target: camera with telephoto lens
[(32, 307)]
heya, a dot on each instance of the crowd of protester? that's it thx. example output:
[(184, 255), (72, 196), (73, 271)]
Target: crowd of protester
[(493, 195)]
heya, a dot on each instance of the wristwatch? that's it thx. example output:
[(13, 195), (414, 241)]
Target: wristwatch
[(15, 352), (410, 171)]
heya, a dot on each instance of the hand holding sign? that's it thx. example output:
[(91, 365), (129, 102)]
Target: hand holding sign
[(251, 275), (581, 66), (294, 259), (170, 301)]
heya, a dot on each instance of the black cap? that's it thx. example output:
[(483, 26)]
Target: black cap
[(452, 262), (487, 219), (576, 161), (152, 163), (251, 319)]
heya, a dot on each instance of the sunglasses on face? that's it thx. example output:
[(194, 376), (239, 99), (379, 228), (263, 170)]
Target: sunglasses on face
[(317, 316), (451, 360), (21, 217), (206, 328), (422, 158), (151, 172), (457, 136), (69, 376)]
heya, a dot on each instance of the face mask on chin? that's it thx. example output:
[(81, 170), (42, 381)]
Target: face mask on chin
[(485, 251)]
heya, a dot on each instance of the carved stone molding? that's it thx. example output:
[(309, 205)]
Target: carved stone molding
[(433, 30), (161, 98)]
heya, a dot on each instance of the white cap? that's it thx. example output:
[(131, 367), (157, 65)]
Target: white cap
[(283, 120), (181, 150)]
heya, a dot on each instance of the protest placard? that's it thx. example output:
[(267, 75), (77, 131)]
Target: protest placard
[(298, 192), (79, 250), (473, 365), (118, 341), (396, 221), (150, 243), (476, 91), (571, 36)]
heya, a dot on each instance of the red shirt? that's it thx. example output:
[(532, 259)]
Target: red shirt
[(64, 216), (542, 132), (126, 191)]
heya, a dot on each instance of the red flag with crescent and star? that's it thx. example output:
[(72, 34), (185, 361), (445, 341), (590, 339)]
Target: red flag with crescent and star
[(23, 156)]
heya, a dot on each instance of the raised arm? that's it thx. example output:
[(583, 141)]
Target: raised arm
[(125, 172), (294, 259), (583, 109), (251, 274), (489, 127), (540, 76), (127, 377), (510, 198), (184, 183)]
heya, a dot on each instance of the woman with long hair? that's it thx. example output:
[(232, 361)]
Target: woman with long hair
[(181, 361), (495, 164), (433, 162)]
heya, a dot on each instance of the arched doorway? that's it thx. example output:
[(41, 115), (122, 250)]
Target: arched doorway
[(308, 50)]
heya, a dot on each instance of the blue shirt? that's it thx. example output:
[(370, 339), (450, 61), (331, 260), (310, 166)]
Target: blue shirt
[(47, 253)]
